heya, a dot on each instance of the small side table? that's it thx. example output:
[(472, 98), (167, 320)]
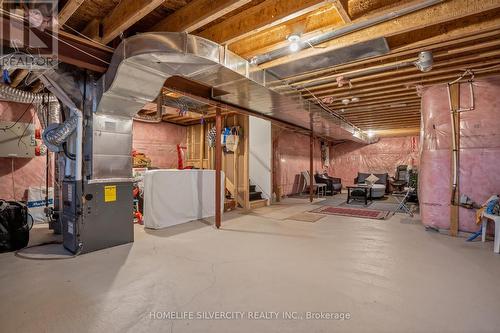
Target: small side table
[(367, 191)]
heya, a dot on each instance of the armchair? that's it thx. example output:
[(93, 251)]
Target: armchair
[(333, 184), (400, 179)]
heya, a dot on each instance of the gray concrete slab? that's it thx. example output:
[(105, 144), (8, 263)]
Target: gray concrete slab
[(390, 276)]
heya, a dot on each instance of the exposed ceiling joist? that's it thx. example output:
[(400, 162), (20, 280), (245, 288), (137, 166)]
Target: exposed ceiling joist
[(257, 18), (68, 10), (443, 41), (399, 132), (309, 24), (447, 11), (341, 6), (406, 80), (197, 14), (124, 16)]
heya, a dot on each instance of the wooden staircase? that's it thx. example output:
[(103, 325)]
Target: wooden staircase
[(256, 199)]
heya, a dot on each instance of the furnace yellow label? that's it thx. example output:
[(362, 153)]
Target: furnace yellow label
[(109, 193)]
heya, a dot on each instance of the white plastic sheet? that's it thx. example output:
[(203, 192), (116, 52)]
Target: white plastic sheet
[(36, 203), (177, 196)]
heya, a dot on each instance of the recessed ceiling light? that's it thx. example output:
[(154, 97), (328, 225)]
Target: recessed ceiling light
[(293, 38), (346, 101), (355, 99)]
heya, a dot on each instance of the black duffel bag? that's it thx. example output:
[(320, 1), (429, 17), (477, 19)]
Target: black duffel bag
[(15, 224)]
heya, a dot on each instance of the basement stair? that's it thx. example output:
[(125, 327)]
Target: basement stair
[(256, 199)]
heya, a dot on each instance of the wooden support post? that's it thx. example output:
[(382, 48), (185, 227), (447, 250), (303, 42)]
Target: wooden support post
[(218, 165), (202, 144), (311, 175)]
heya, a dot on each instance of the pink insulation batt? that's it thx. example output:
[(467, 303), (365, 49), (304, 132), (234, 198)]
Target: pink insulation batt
[(291, 157), (479, 172), (27, 171), (159, 142), (349, 158)]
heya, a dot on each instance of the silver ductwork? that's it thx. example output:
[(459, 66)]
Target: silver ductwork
[(142, 63)]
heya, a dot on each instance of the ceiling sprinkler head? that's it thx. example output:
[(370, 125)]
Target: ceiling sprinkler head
[(425, 61)]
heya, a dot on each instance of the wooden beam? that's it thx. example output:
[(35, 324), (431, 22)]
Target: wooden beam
[(93, 30), (197, 14), (447, 11), (341, 6), (19, 76), (124, 15), (218, 166), (444, 42), (68, 10), (308, 25), (395, 76), (415, 131), (408, 80), (257, 18), (202, 144)]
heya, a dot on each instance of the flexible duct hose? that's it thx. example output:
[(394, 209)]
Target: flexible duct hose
[(56, 136), (20, 96)]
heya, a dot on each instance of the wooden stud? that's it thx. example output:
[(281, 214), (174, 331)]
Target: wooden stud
[(202, 144)]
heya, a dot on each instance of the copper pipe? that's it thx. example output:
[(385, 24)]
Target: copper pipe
[(218, 165)]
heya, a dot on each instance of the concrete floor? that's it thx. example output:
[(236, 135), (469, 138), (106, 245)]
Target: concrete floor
[(390, 276)]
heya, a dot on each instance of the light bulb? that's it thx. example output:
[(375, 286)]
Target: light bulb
[(294, 46)]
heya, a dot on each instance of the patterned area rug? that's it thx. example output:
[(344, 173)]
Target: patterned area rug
[(352, 212)]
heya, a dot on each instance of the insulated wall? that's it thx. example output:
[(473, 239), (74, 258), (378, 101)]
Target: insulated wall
[(349, 158), (17, 174), (291, 157), (159, 142), (479, 172)]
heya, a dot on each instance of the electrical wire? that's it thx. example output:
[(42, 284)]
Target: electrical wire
[(20, 117)]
